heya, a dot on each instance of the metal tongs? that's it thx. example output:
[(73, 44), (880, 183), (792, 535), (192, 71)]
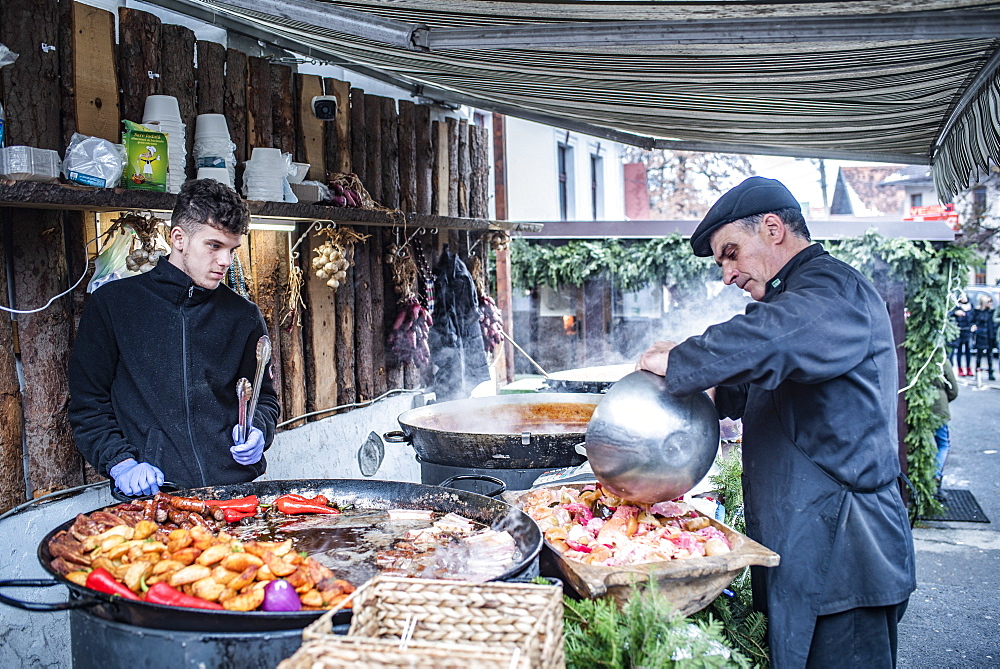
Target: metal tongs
[(245, 389)]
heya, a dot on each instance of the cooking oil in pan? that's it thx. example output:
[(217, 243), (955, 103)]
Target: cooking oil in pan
[(354, 543)]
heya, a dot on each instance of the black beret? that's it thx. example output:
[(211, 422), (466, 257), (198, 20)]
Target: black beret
[(755, 195)]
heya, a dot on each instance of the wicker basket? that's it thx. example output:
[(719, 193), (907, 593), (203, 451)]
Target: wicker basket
[(450, 623)]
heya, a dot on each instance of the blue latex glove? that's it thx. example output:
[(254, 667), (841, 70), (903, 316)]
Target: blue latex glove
[(137, 478), (250, 451)]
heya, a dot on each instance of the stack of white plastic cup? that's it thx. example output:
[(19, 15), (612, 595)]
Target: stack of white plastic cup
[(162, 114), (265, 175), (220, 174), (213, 147)]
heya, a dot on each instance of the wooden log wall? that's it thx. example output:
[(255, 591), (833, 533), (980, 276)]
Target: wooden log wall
[(332, 352)]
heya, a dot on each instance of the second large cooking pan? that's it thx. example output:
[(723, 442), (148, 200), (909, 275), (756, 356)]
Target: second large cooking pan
[(521, 431), (363, 494)]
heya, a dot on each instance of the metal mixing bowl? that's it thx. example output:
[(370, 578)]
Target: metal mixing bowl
[(646, 445)]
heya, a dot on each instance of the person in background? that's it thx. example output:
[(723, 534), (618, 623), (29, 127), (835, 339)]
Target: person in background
[(153, 371), (811, 369), (962, 344), (984, 333), (947, 390)]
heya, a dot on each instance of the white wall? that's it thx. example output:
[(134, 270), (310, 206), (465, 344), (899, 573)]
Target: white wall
[(532, 173), (926, 191), (964, 207), (328, 448)]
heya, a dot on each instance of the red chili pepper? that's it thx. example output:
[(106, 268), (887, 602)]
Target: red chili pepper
[(101, 580), (234, 515), (296, 504), (161, 593), (248, 503)]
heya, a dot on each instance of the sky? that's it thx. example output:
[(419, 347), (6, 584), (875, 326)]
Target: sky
[(801, 176)]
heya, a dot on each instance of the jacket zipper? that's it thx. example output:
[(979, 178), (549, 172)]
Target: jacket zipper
[(187, 393)]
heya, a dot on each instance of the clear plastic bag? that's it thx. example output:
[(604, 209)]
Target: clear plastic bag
[(110, 264), (92, 161), (6, 56)]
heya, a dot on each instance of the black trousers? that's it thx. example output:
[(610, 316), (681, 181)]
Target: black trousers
[(984, 353), (864, 638)]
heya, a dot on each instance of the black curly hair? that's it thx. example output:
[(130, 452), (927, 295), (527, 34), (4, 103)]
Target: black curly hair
[(208, 202)]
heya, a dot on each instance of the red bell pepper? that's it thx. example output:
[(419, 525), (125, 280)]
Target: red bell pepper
[(101, 580), (244, 504), (292, 504), (161, 593), (235, 515)]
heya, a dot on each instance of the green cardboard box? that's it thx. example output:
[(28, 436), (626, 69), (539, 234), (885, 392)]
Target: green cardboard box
[(146, 153)]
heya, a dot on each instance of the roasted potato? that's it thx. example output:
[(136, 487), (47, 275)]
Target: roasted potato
[(135, 573), (207, 588), (245, 578), (144, 529), (190, 574), (240, 561), (276, 565), (223, 575), (186, 555), (201, 537), (311, 598), (78, 577), (180, 543), (247, 601), (213, 554)]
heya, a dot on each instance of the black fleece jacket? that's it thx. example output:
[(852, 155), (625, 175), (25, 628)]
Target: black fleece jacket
[(153, 377)]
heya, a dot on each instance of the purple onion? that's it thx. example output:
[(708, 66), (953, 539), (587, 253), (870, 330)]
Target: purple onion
[(279, 595)]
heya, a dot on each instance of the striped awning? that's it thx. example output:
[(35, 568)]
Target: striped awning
[(913, 81)]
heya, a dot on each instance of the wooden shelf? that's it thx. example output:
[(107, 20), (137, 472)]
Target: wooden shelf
[(81, 198)]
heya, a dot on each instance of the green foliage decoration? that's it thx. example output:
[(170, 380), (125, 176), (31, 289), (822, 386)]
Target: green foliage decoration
[(630, 264), (932, 278), (645, 632), (744, 628)]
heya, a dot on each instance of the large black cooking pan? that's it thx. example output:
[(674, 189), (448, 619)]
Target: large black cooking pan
[(363, 494), (587, 379), (521, 431)]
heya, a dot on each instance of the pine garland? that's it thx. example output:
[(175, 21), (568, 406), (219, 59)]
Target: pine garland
[(932, 278), (631, 264), (646, 632), (924, 269)]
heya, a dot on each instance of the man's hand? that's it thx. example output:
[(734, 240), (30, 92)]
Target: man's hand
[(136, 478), (655, 358), (250, 451)]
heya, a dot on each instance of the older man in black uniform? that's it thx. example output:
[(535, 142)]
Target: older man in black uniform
[(811, 369)]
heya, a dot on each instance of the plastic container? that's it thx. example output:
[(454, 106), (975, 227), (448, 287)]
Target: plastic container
[(26, 163), (264, 154), (299, 175), (93, 161), (162, 108), (220, 174), (211, 126)]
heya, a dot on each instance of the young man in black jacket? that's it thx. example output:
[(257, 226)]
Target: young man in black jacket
[(153, 372)]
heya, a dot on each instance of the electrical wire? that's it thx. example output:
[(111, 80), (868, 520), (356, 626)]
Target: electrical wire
[(940, 337), (62, 294), (394, 391)]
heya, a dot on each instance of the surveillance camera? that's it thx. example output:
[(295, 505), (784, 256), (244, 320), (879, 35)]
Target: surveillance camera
[(325, 107)]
